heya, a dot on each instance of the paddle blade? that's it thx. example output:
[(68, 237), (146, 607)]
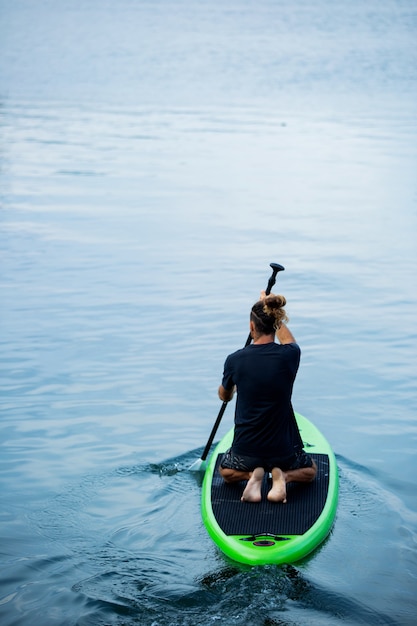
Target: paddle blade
[(198, 466)]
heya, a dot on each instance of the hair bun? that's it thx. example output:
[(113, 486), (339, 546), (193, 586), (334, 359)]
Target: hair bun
[(273, 306), (273, 302), (268, 313)]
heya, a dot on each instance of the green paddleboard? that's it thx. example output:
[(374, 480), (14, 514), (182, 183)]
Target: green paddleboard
[(272, 533)]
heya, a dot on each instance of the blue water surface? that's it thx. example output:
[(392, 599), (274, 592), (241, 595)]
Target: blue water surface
[(155, 157)]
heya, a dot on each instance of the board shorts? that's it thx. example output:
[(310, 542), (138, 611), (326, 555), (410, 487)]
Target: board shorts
[(242, 463)]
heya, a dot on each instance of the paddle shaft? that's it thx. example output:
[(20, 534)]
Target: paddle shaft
[(271, 282)]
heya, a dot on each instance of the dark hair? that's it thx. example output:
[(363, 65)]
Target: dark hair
[(267, 314)]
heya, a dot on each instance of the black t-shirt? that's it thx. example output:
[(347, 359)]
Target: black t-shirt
[(264, 375)]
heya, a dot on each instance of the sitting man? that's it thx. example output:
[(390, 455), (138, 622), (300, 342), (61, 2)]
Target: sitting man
[(266, 436)]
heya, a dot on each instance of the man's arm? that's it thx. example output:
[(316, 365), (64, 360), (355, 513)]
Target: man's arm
[(226, 394), (285, 335)]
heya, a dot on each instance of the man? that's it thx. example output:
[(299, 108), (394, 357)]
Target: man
[(266, 436)]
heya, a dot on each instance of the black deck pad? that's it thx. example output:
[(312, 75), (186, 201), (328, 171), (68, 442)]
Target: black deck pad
[(304, 504)]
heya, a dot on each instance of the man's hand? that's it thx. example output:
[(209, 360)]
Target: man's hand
[(226, 394)]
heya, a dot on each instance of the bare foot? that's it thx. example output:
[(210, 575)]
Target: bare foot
[(252, 491), (278, 492)]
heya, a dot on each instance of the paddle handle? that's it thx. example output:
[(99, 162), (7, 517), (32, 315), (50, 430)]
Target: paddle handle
[(276, 267)]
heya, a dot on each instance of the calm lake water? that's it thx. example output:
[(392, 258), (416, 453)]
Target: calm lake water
[(155, 157)]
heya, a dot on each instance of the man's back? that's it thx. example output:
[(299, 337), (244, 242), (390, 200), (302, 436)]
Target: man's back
[(264, 375)]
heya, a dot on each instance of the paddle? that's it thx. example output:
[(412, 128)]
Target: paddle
[(200, 463)]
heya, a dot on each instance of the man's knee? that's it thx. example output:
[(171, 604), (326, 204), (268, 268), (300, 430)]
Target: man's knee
[(311, 471), (230, 475), (227, 474)]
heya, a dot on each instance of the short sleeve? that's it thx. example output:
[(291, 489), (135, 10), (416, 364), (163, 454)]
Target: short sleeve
[(293, 353), (227, 381)]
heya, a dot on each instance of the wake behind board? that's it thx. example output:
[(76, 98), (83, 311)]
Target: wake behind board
[(266, 532)]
